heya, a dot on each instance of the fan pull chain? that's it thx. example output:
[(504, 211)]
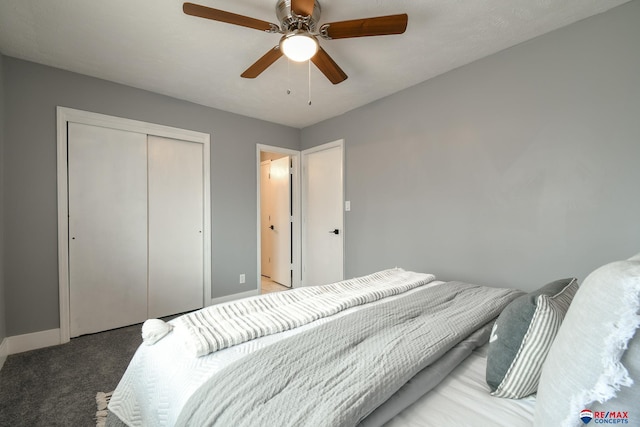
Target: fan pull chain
[(288, 76), (309, 62)]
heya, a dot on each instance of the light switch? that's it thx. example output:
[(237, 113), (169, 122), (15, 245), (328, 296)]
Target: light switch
[(347, 205)]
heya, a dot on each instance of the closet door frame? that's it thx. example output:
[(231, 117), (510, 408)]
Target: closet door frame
[(66, 115)]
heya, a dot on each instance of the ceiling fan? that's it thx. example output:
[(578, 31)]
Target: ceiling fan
[(299, 26)]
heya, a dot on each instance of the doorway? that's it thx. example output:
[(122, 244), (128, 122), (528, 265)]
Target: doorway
[(278, 219), (317, 215)]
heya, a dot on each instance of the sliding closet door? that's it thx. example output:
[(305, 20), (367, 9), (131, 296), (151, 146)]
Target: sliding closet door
[(176, 245), (107, 194)]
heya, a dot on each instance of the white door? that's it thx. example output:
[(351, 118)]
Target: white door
[(176, 245), (265, 219), (107, 195), (280, 179), (322, 198)]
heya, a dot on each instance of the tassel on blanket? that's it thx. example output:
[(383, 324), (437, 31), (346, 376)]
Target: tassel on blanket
[(102, 401), (153, 330)]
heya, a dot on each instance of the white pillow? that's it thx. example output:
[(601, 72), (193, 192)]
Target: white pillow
[(594, 362), (635, 258)]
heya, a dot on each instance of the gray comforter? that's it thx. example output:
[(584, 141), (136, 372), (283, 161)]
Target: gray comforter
[(340, 372)]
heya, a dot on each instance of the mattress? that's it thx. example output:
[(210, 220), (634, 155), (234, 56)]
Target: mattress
[(463, 399)]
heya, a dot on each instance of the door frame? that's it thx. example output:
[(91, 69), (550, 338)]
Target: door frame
[(65, 115), (295, 204), (335, 144)]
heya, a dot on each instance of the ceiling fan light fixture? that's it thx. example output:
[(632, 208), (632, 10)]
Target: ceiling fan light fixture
[(299, 46), (299, 21)]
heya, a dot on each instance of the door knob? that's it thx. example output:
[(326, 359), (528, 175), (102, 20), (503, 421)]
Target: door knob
[(272, 227), (334, 231)]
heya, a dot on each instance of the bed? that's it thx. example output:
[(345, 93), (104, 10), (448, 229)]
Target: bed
[(400, 349)]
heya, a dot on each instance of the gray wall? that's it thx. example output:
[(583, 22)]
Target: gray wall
[(511, 171), (3, 333), (514, 170), (32, 93)]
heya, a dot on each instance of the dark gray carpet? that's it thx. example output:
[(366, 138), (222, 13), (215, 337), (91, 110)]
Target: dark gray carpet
[(56, 386)]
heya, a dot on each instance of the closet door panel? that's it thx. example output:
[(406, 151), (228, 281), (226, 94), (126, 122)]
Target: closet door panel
[(107, 228), (176, 245)]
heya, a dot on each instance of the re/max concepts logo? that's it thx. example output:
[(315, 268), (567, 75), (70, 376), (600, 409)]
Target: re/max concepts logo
[(602, 417)]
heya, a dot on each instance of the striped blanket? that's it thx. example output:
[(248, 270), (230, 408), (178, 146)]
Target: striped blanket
[(224, 325)]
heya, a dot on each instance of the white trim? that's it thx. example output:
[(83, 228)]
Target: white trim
[(296, 240), (234, 297), (32, 341), (328, 145), (4, 352), (207, 218), (335, 144), (65, 115)]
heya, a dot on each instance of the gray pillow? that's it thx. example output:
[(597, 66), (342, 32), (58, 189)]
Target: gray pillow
[(594, 363), (522, 336)]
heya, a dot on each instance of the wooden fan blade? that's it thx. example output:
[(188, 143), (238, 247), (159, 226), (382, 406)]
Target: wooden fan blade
[(263, 63), (328, 66), (228, 17), (302, 7), (379, 26)]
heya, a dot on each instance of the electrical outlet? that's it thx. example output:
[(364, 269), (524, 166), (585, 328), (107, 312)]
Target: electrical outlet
[(242, 278)]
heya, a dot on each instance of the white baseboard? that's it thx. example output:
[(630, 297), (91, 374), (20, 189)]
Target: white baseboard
[(33, 341), (233, 297), (4, 352)]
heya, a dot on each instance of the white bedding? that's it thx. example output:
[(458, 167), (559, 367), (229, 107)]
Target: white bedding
[(167, 374), (463, 399)]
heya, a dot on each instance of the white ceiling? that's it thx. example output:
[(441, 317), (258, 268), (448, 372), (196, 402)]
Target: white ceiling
[(153, 45)]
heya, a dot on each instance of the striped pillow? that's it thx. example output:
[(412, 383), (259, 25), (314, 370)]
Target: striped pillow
[(532, 321)]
